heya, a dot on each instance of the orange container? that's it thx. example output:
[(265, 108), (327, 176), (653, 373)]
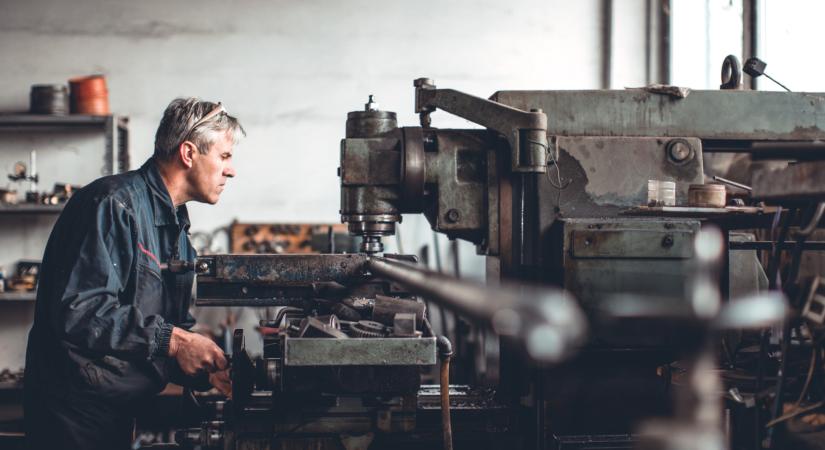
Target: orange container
[(89, 95)]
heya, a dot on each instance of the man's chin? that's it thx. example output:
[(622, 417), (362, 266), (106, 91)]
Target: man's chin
[(208, 200)]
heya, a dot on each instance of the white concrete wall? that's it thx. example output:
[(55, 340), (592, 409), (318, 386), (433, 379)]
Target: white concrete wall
[(703, 33), (789, 31), (628, 44), (291, 71)]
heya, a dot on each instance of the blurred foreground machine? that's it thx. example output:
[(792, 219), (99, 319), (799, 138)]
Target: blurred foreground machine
[(550, 192), (343, 356)]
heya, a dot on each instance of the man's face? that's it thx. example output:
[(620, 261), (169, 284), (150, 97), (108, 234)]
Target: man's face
[(209, 172)]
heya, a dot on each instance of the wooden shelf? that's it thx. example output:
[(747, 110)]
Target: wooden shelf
[(68, 121)]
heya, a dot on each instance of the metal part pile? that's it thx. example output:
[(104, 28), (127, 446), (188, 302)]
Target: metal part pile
[(363, 317)]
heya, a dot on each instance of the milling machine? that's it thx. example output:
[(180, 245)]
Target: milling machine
[(553, 192)]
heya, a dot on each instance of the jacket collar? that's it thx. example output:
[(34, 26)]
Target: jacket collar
[(164, 210)]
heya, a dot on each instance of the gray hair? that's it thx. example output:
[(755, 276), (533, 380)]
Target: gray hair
[(176, 127)]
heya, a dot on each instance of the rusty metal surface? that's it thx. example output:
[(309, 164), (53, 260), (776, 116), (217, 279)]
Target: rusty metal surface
[(631, 243), (391, 351), (640, 257), (748, 115), (605, 176), (371, 162), (599, 172), (413, 169), (707, 195), (626, 256), (459, 169), (285, 270), (802, 181), (364, 124)]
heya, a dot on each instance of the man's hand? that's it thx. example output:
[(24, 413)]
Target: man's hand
[(195, 353), (221, 381)]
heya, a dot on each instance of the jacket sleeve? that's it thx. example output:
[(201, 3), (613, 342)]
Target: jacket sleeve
[(90, 313)]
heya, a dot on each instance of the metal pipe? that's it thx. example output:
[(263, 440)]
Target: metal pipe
[(607, 41), (664, 41), (468, 298), (750, 34), (791, 281), (548, 321), (445, 353)]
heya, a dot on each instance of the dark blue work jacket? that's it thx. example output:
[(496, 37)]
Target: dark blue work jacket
[(105, 310)]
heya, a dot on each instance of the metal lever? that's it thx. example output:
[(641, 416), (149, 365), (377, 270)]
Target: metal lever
[(526, 131), (177, 266)]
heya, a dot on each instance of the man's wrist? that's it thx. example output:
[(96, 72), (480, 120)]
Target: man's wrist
[(165, 340)]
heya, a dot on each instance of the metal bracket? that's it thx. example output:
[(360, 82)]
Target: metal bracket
[(525, 131)]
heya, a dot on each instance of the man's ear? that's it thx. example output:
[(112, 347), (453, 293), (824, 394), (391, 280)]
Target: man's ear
[(186, 152)]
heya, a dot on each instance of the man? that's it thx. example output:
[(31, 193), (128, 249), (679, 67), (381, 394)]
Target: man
[(110, 326)]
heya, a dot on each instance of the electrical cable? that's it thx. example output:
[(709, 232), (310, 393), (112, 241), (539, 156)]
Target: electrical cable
[(780, 380), (795, 413), (801, 236), (773, 264), (772, 273), (282, 312), (816, 214), (797, 408), (814, 222), (814, 354), (552, 160)]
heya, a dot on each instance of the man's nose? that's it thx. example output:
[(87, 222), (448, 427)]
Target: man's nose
[(229, 172)]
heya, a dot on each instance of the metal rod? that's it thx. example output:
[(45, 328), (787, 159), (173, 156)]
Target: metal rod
[(548, 321), (789, 150), (33, 171), (471, 299), (732, 183), (780, 84), (768, 245)]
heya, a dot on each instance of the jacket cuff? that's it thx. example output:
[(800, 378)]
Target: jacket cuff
[(162, 338)]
